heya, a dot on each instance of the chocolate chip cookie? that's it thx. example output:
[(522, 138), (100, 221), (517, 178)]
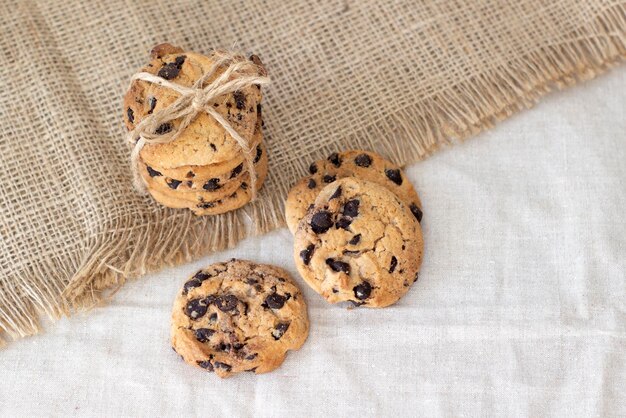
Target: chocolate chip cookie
[(203, 204), (204, 141), (359, 243), (238, 316), (218, 185), (365, 165)]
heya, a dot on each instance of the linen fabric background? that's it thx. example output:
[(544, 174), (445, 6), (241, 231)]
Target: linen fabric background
[(519, 309), (399, 77)]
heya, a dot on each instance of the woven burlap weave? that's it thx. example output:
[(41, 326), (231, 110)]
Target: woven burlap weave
[(399, 77)]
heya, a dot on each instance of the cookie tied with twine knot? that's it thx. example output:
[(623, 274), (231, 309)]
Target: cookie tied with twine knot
[(237, 72)]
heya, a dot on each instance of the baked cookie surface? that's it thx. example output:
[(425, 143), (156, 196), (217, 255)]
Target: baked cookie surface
[(359, 243), (364, 165), (204, 141), (238, 316), (213, 203)]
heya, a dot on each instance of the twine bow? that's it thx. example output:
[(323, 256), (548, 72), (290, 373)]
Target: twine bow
[(192, 101)]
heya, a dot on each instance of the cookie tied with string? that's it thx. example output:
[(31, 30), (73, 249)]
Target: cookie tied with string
[(194, 121)]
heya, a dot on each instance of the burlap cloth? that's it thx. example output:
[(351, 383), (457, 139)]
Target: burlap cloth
[(399, 77)]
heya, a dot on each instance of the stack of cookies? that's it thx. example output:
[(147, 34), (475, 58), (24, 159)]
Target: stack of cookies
[(356, 223), (204, 168)]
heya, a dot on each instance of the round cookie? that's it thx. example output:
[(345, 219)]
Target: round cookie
[(238, 316), (222, 171), (365, 165), (359, 243), (218, 184), (234, 201), (204, 141), (209, 195)]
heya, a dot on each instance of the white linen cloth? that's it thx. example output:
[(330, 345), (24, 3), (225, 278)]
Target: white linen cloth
[(520, 309)]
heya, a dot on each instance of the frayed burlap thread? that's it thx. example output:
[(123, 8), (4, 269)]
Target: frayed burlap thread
[(402, 78), (191, 102)]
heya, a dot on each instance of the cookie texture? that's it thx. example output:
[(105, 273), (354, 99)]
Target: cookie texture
[(210, 204), (193, 188), (238, 316), (360, 242), (361, 164), (204, 141)]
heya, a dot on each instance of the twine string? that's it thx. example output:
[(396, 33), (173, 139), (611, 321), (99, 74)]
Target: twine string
[(191, 102)]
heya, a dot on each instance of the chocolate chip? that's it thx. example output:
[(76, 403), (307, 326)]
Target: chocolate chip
[(251, 281), (173, 183), (196, 308), (329, 179), (238, 346), (275, 301), (394, 263), (351, 208), (394, 175), (338, 266), (280, 330), (307, 253), (226, 303), (321, 222), (213, 147), (259, 110), (179, 60), (240, 99), (152, 172), (213, 317), (169, 71), (312, 184), (355, 239), (416, 277), (130, 114), (252, 356), (196, 281), (244, 186), (212, 185), (334, 159), (223, 347), (313, 168), (363, 160), (205, 365), (190, 175), (362, 291), (259, 152), (343, 223), (191, 284), (417, 212), (152, 101), (335, 290), (236, 171), (203, 334), (221, 365), (206, 205), (163, 128), (336, 194)]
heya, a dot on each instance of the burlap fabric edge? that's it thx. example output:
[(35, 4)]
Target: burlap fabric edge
[(56, 287)]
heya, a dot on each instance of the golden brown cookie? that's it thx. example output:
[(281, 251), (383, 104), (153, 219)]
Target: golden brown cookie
[(225, 192), (222, 171), (218, 184), (204, 141), (234, 201), (359, 243), (239, 316), (365, 165)]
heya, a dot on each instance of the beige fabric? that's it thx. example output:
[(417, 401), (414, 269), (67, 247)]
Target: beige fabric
[(399, 77)]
